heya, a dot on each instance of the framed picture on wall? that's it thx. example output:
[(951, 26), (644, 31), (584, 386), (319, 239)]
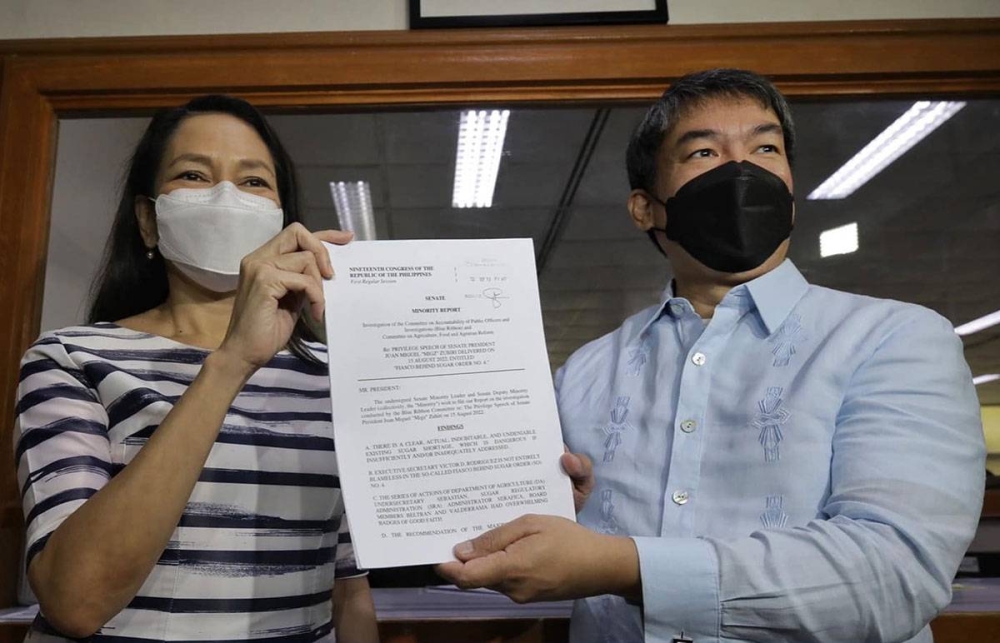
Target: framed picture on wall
[(436, 14)]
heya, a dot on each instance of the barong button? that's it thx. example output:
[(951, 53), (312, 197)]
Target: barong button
[(680, 497)]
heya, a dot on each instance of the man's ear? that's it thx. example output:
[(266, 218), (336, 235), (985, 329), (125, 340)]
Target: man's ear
[(145, 214), (640, 207)]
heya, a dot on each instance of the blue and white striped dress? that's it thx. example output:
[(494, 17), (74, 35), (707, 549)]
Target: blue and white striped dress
[(262, 538)]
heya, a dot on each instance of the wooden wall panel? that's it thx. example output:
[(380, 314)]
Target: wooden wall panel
[(27, 125), (42, 80)]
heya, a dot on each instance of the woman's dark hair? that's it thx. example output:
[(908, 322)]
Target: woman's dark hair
[(129, 282), (690, 91)]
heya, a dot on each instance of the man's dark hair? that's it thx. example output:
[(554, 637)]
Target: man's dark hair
[(688, 92)]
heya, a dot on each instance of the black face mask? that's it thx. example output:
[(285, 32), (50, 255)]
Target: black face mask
[(731, 218)]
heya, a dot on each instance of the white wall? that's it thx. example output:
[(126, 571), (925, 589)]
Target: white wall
[(90, 162), (79, 18)]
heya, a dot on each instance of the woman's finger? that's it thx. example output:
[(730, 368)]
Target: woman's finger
[(339, 237), (303, 262), (280, 283), (292, 239)]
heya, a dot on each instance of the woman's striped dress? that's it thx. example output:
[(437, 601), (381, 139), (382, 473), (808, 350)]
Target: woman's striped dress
[(262, 537)]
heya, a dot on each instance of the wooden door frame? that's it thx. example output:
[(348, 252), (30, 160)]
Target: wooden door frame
[(43, 80)]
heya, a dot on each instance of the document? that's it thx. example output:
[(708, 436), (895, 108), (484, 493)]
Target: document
[(444, 413)]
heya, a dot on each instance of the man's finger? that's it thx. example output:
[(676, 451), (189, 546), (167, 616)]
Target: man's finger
[(454, 573), (487, 571), (496, 540), (581, 473), (578, 467), (572, 465), (450, 571)]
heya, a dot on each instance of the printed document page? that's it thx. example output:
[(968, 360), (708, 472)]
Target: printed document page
[(443, 408)]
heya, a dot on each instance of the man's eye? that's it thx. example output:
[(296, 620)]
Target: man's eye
[(702, 154), (770, 149)]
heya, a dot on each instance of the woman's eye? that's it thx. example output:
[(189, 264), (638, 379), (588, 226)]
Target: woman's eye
[(256, 182), (190, 176)]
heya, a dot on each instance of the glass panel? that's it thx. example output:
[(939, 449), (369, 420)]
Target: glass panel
[(928, 225)]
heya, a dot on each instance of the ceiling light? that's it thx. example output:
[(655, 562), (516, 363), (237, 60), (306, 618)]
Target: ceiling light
[(977, 325), (353, 201), (480, 144), (908, 130), (839, 241), (985, 379)]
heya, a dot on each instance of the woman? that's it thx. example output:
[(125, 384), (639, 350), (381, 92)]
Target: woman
[(176, 455)]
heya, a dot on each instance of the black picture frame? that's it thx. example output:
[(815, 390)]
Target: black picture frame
[(658, 14)]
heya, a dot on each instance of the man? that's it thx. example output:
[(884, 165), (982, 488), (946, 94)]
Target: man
[(774, 461)]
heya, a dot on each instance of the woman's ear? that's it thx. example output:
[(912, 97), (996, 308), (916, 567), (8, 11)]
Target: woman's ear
[(145, 214), (640, 207)]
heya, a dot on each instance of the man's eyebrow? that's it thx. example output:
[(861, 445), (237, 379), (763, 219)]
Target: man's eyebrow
[(695, 134), (768, 128)]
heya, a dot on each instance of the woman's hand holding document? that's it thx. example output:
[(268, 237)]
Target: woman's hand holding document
[(444, 415)]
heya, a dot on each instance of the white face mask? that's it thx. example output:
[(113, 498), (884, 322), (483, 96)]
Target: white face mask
[(207, 232)]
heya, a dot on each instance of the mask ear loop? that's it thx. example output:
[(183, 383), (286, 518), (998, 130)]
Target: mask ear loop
[(651, 232), (151, 252)]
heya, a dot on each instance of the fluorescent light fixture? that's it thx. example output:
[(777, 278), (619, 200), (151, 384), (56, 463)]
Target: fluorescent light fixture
[(908, 130), (986, 379), (977, 325), (839, 241), (353, 201), (480, 144)]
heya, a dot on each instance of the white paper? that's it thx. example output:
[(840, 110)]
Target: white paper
[(443, 409)]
